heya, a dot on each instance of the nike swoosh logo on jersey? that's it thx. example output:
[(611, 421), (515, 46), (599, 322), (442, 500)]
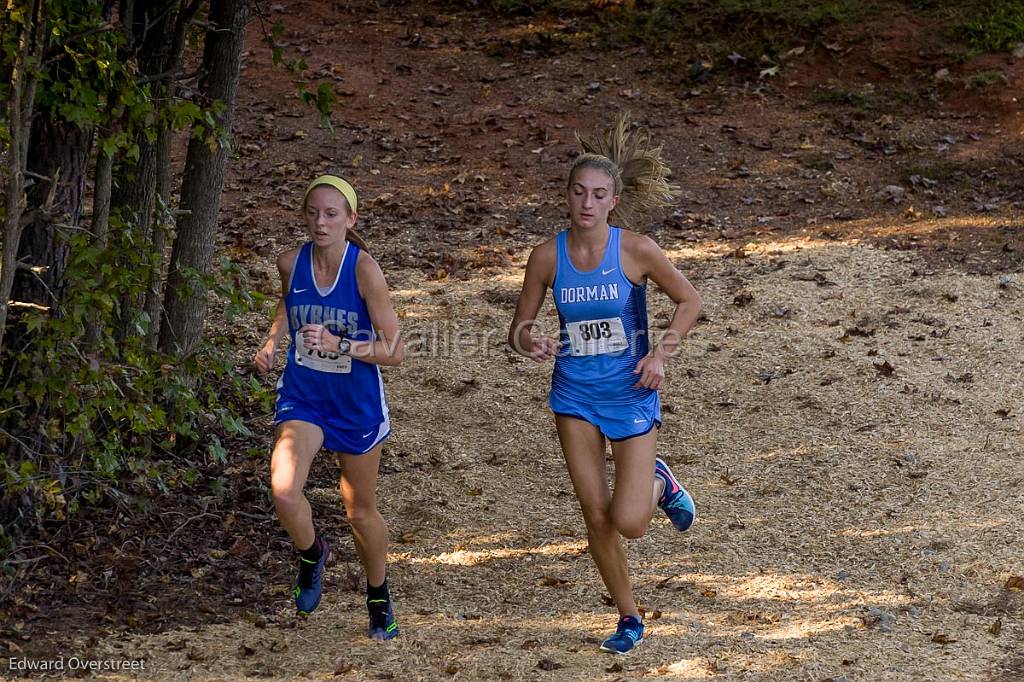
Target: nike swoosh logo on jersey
[(299, 291), (608, 272)]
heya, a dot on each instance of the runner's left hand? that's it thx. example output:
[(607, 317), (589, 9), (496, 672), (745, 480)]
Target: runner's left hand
[(652, 373), (317, 337)]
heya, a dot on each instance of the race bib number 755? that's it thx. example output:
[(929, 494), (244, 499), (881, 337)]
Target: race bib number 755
[(322, 361), (596, 337)]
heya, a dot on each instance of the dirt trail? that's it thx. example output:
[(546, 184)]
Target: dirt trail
[(854, 523), (846, 416)]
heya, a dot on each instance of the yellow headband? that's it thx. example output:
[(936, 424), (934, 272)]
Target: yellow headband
[(338, 184)]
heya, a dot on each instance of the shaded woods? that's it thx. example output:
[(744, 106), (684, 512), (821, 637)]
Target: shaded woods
[(107, 389)]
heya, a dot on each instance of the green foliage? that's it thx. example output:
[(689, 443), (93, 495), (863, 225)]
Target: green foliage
[(90, 418), (117, 417), (997, 26), (209, 127), (947, 172), (985, 79), (750, 28), (985, 25), (755, 27), (323, 99), (868, 98)]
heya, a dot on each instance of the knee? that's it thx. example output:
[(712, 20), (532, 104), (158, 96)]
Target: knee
[(631, 528), (286, 495), (599, 519), (359, 516)]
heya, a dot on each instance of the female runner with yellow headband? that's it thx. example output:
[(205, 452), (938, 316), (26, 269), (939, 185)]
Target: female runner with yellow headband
[(336, 308)]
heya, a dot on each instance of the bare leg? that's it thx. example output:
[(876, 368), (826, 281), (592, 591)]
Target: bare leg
[(583, 448), (359, 494), (297, 443), (637, 489)]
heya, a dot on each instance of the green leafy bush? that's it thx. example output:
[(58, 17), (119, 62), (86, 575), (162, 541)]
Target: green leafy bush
[(994, 27), (87, 422)]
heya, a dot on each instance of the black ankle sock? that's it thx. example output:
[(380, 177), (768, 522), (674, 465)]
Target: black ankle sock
[(380, 592), (314, 552)]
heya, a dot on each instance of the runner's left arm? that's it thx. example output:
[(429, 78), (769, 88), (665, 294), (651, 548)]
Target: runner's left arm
[(389, 347), (658, 268)]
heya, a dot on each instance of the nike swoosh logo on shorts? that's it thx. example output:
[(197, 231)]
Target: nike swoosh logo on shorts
[(367, 435), (639, 421), (608, 272)]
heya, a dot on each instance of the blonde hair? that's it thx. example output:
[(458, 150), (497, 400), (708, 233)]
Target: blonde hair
[(639, 175), (348, 195)]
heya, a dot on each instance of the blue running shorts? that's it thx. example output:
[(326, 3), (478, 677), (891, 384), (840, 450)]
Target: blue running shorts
[(347, 441), (617, 421)]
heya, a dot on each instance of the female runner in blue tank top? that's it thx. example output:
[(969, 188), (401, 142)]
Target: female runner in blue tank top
[(337, 311), (607, 376)]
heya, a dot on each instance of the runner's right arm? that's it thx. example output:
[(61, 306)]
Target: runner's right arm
[(540, 269), (264, 359)]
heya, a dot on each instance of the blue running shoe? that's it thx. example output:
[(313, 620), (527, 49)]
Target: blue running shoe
[(629, 634), (307, 588), (383, 625), (675, 501)]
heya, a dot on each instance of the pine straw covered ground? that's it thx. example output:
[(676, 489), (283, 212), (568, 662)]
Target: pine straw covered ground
[(846, 419)]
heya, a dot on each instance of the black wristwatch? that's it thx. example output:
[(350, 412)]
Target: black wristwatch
[(344, 346)]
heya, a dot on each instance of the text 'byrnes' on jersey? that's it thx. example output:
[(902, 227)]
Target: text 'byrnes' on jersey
[(332, 318)]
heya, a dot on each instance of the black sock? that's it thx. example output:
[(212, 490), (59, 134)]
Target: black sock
[(377, 593), (313, 553)]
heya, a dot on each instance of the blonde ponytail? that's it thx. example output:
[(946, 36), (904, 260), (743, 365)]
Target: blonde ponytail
[(357, 239), (635, 166)]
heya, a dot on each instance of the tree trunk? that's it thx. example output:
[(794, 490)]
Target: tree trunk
[(186, 301), (101, 199), (100, 230), (161, 229), (135, 202), (157, 30), (60, 151), (20, 107)]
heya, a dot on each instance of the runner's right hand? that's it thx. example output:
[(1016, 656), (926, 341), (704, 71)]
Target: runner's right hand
[(263, 361), (544, 349)]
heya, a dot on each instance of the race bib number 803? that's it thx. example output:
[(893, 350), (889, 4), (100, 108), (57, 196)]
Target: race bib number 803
[(596, 337)]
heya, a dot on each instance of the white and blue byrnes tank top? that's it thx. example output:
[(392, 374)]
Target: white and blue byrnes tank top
[(346, 392), (603, 328)]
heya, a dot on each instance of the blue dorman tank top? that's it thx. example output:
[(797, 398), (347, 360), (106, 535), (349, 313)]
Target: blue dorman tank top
[(346, 392), (602, 327)]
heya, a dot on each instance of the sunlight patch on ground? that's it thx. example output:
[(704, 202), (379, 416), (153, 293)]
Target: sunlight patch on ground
[(474, 558), (687, 668), (409, 293), (805, 629), (793, 588), (714, 666), (958, 223)]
